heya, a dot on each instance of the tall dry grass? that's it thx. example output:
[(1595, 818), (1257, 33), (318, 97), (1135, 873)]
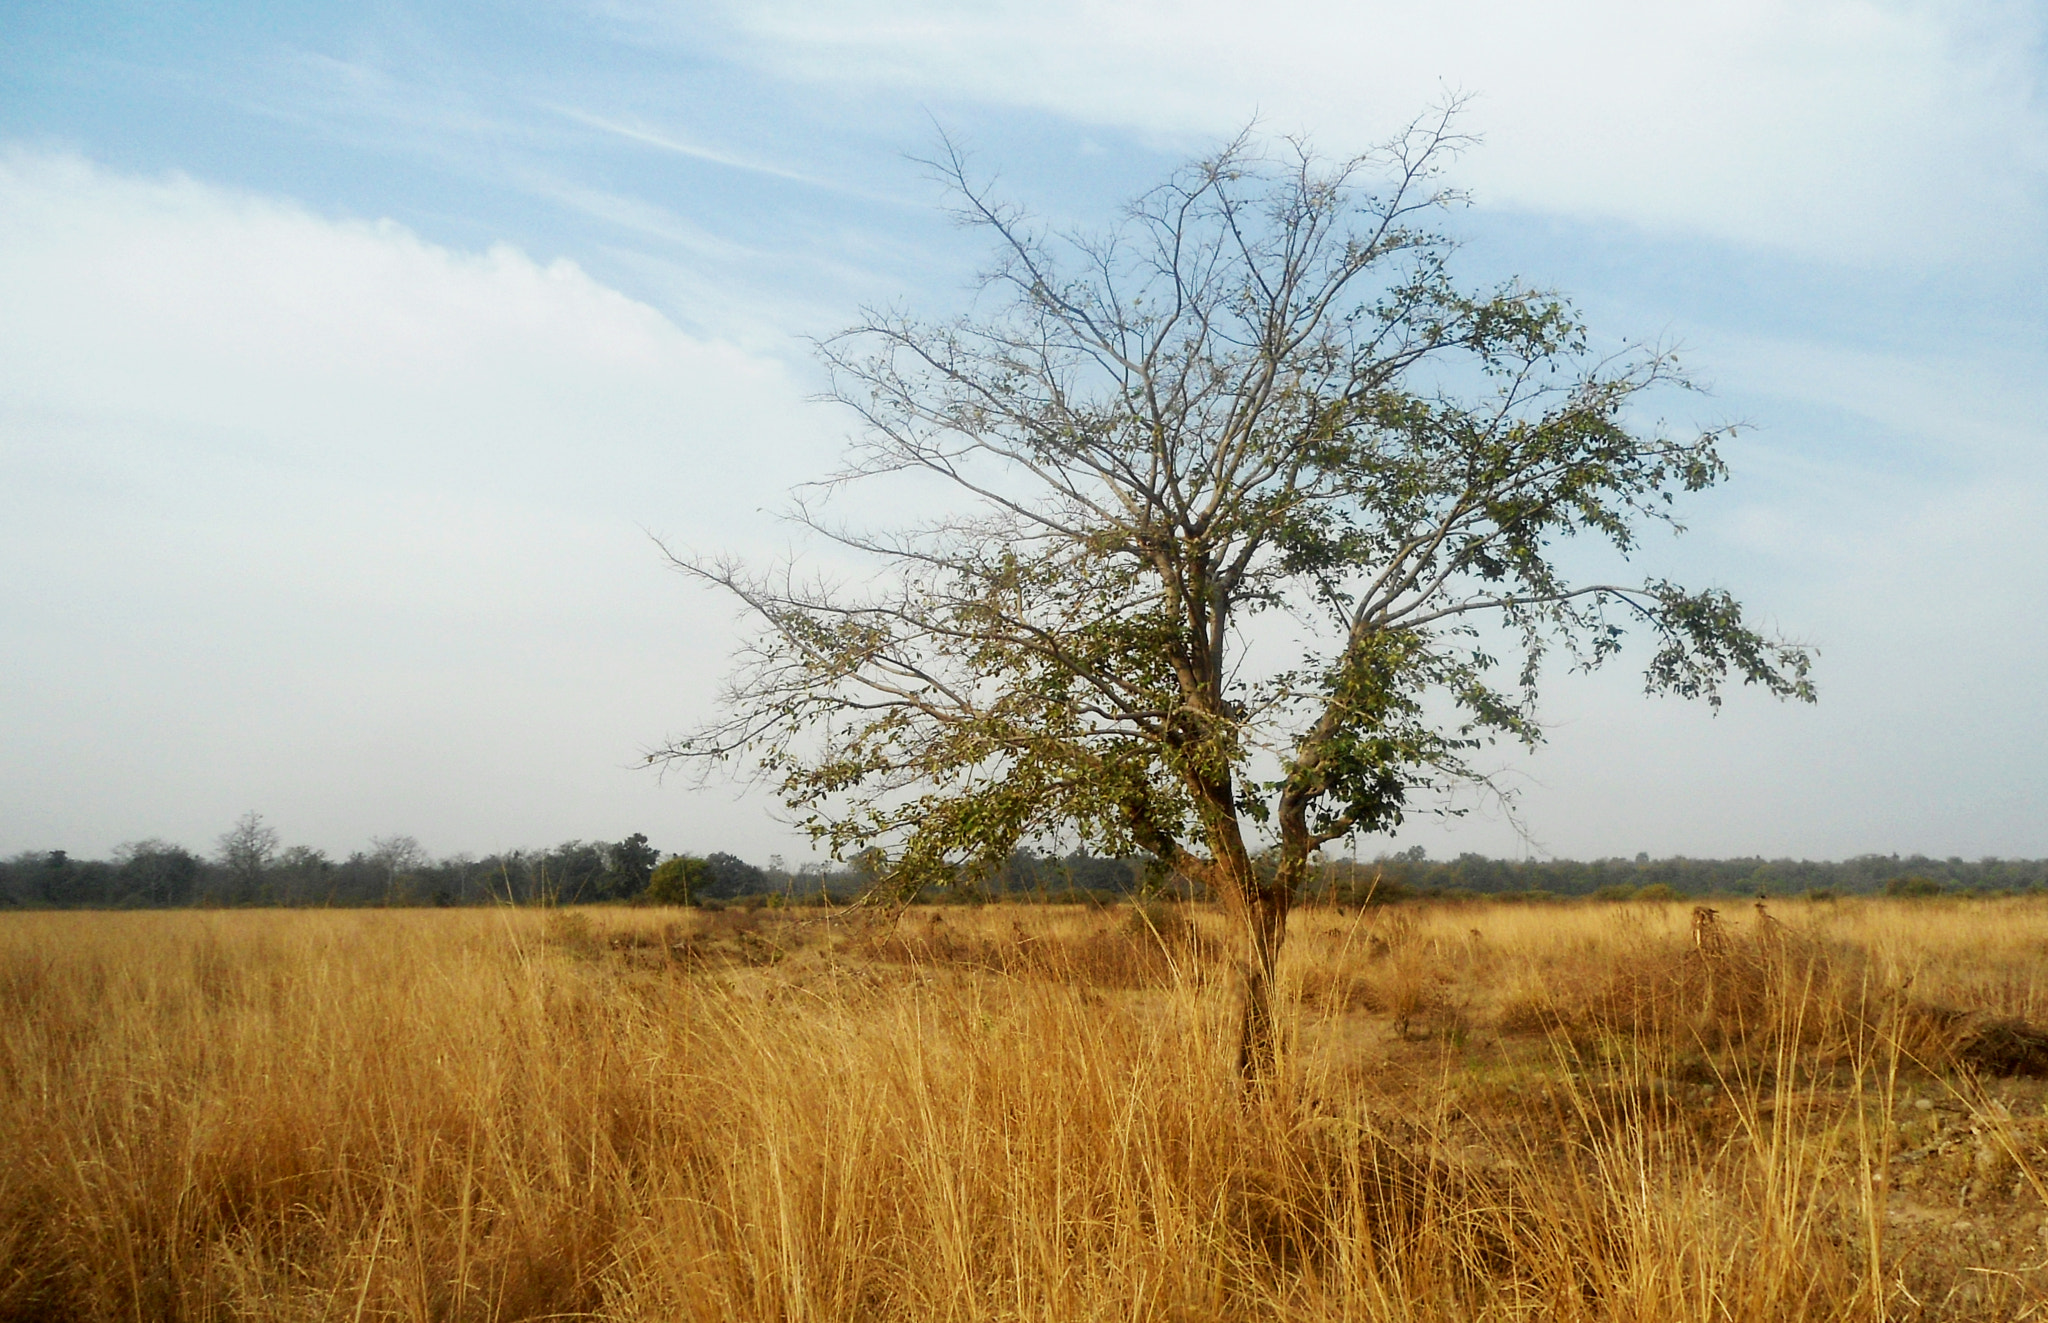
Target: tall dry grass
[(1486, 1113)]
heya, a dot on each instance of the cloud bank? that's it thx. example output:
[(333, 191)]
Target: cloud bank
[(310, 516)]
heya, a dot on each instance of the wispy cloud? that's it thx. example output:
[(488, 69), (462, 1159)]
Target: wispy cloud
[(1862, 130), (365, 103), (638, 215), (669, 143), (665, 141)]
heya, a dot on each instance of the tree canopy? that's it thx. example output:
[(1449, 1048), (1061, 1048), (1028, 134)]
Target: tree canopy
[(1242, 478)]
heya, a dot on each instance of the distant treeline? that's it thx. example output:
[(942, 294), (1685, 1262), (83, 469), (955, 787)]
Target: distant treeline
[(394, 871), (1413, 874), (247, 867)]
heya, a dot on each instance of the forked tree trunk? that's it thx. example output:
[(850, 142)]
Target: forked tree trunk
[(1259, 900), (1266, 917), (1267, 901)]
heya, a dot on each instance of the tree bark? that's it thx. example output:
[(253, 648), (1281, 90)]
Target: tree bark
[(1267, 902), (1266, 918), (1259, 904)]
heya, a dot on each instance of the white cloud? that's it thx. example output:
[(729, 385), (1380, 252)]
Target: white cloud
[(1857, 128), (314, 517)]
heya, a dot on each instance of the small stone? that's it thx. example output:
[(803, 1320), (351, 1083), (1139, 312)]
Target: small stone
[(1924, 1104)]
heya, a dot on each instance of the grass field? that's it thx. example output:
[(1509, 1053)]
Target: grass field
[(1485, 1112)]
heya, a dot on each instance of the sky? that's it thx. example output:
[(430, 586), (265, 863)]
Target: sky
[(353, 357)]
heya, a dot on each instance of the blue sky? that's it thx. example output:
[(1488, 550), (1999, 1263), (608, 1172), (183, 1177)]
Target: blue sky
[(349, 353)]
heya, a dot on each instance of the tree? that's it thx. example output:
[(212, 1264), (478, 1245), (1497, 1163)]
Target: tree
[(245, 852), (728, 875), (157, 872), (396, 859), (629, 864), (678, 880), (1242, 479), (299, 871), (572, 873)]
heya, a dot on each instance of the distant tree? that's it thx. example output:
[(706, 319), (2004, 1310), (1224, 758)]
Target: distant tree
[(1262, 392), (448, 880), (730, 875), (244, 852), (397, 858), (301, 873), (678, 880), (60, 879), (507, 877), (398, 855), (52, 878), (156, 872), (573, 872), (629, 864), (1091, 872)]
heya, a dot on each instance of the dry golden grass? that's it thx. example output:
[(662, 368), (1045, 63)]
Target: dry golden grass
[(1487, 1112)]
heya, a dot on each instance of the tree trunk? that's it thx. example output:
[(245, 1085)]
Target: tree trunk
[(1266, 917), (1261, 907), (1266, 906), (1267, 901)]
